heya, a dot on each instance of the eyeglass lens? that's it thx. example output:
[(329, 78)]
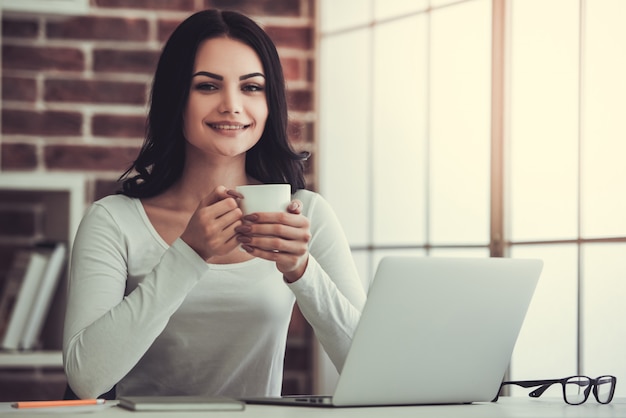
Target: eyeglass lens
[(576, 389), (605, 388)]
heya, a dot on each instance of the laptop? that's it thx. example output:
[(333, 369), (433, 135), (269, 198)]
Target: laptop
[(433, 331)]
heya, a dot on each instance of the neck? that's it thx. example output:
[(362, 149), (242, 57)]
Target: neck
[(200, 177)]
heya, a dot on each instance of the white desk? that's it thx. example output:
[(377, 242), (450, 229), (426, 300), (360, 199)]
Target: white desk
[(504, 408)]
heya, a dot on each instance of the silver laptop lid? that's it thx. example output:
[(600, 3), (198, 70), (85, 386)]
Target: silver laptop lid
[(437, 330)]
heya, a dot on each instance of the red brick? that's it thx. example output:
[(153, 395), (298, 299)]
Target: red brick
[(20, 89), (118, 126), (257, 7), (291, 68), (19, 28), (99, 28), (300, 132), (92, 91), (46, 123), (45, 58), (310, 66), (302, 69), (86, 157), (165, 29), (289, 37), (147, 4), (113, 60), (300, 100), (105, 188), (18, 156)]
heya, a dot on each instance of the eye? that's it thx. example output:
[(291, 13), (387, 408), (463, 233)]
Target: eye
[(253, 88), (205, 87)]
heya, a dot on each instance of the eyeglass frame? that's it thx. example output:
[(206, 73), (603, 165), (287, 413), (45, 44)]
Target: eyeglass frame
[(546, 383)]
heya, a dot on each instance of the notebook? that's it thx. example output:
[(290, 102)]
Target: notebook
[(433, 331), (180, 403)]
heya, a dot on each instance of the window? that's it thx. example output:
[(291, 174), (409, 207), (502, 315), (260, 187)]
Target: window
[(404, 126), (487, 127)]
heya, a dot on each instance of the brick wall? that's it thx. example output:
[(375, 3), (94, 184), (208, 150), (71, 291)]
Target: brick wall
[(74, 89), (74, 93)]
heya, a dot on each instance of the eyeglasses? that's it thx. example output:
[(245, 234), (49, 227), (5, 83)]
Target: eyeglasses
[(576, 389)]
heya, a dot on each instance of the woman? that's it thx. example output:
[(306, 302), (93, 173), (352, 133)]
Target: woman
[(162, 299)]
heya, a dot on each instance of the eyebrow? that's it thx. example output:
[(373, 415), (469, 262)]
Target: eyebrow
[(221, 78)]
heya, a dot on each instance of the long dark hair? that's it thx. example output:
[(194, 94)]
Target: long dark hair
[(162, 157)]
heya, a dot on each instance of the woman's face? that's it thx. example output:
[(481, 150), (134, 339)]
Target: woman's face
[(227, 107)]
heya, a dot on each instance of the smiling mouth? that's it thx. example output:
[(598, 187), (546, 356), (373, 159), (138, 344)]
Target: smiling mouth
[(225, 127)]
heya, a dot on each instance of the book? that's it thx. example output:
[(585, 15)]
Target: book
[(23, 300), (11, 287), (43, 297), (180, 403)]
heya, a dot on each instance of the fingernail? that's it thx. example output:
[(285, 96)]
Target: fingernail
[(247, 248), (234, 194), (243, 229), (293, 205), (252, 218), (243, 238)]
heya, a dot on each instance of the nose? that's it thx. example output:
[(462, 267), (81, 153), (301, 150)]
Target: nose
[(231, 101)]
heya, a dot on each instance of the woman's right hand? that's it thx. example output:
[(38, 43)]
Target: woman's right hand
[(211, 229)]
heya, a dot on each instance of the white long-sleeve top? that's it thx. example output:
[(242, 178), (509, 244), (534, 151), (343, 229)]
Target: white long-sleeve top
[(156, 319)]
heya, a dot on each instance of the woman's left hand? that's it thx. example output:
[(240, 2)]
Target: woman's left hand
[(282, 237)]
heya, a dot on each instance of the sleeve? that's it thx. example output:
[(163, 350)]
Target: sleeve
[(330, 294), (106, 332)]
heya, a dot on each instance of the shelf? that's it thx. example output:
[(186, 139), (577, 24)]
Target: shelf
[(63, 193), (61, 7), (63, 201), (30, 359)]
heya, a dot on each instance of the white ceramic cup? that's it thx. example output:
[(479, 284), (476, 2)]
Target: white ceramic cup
[(264, 198)]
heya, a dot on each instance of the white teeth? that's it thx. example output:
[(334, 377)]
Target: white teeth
[(228, 127)]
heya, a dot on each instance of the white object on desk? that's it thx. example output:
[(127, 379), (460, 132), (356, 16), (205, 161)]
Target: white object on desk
[(180, 403), (434, 330)]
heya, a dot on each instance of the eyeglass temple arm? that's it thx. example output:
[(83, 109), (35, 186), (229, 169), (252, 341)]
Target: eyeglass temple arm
[(545, 384), (539, 391)]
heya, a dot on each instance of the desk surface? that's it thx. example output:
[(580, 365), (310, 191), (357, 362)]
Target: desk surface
[(505, 407)]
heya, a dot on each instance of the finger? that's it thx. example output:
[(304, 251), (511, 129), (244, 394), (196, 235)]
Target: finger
[(285, 261), (218, 218), (218, 194), (274, 244), (234, 193), (282, 257), (227, 211), (295, 207), (272, 230), (284, 218)]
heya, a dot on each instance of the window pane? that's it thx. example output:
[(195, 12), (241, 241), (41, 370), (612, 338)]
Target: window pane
[(439, 3), (362, 260), (544, 119), (379, 254), (547, 342), (399, 157), (604, 284), (344, 130), (385, 8), (459, 252), (337, 15), (460, 123), (604, 134)]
